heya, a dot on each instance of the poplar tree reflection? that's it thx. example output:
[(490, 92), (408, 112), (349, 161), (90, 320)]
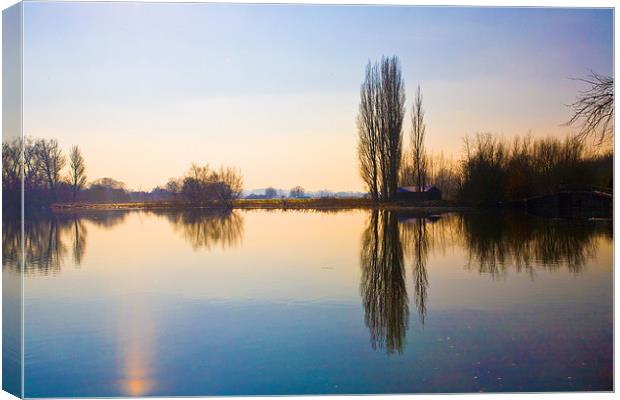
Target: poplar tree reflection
[(417, 242), (383, 288)]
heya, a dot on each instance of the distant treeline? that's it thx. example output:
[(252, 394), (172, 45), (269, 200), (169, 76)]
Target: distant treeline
[(48, 178)]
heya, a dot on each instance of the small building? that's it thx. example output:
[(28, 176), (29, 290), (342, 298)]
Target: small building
[(411, 193)]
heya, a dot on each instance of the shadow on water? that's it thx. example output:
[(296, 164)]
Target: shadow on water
[(50, 239), (493, 242)]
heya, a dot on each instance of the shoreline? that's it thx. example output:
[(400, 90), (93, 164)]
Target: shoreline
[(440, 206)]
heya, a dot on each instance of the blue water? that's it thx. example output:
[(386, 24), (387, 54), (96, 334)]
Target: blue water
[(199, 303)]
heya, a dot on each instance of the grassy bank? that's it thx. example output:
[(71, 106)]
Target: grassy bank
[(268, 204)]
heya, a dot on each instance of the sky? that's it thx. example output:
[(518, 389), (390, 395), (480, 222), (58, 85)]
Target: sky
[(145, 89)]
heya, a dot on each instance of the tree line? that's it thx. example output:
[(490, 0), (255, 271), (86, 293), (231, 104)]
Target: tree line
[(42, 164), (51, 177), (490, 169)]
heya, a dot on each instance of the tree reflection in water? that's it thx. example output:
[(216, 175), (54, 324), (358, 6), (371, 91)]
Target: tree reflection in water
[(206, 228), (493, 243), (417, 243), (49, 238), (383, 288), (498, 241)]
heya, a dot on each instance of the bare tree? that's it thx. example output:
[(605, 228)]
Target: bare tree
[(11, 165), (52, 161), (78, 171), (204, 184), (380, 119), (174, 186), (593, 111), (33, 171), (368, 130), (392, 111), (418, 132), (231, 177)]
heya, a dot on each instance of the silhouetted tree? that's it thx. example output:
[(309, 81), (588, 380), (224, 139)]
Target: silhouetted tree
[(380, 118), (11, 165), (392, 111), (203, 184), (34, 178), (368, 130), (233, 183), (418, 132), (52, 161), (78, 171), (593, 110)]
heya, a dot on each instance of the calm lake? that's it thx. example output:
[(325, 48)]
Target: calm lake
[(272, 302)]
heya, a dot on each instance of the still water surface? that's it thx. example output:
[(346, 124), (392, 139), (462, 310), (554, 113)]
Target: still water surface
[(271, 302)]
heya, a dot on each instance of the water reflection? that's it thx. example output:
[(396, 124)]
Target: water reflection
[(44, 244), (50, 238), (207, 228), (383, 288), (417, 243), (494, 242)]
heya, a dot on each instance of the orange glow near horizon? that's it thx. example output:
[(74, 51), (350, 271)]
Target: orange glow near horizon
[(274, 89)]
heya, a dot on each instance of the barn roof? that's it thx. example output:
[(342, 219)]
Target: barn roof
[(414, 189)]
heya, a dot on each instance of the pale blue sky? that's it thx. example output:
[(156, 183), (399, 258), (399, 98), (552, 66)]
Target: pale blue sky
[(146, 89)]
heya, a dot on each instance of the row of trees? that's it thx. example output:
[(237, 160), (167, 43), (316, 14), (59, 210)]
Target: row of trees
[(43, 166), (497, 170), (491, 169), (51, 177), (380, 120)]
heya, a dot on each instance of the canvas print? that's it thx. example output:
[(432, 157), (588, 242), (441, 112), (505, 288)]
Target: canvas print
[(212, 199)]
